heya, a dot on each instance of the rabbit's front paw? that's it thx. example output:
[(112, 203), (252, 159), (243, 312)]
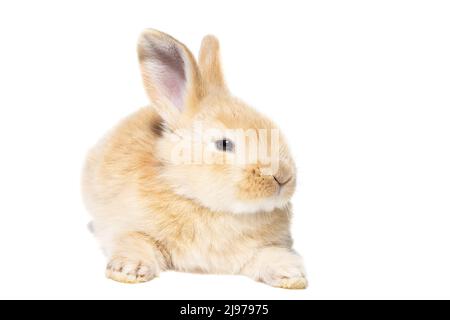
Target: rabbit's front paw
[(129, 271), (278, 267), (293, 282), (287, 275)]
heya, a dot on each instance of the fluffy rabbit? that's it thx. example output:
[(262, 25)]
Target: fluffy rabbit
[(157, 204)]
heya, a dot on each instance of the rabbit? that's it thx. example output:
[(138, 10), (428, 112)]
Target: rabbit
[(153, 211)]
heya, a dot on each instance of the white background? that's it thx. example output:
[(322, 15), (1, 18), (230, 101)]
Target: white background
[(360, 88)]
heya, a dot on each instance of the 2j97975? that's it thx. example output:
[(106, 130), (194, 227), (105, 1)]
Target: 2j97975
[(245, 309)]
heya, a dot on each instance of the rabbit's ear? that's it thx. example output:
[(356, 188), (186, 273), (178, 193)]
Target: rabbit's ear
[(210, 65), (170, 73)]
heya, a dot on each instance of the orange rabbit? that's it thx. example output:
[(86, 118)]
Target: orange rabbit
[(158, 203)]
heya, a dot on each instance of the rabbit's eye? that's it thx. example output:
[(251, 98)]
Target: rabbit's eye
[(225, 145)]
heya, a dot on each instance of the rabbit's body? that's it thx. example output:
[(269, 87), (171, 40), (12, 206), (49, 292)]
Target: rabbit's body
[(150, 214)]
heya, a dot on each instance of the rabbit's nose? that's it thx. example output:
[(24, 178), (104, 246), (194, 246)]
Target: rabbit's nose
[(282, 181), (284, 173)]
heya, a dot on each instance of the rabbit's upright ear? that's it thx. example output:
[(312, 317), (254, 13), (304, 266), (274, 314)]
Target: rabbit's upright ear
[(170, 73), (210, 65)]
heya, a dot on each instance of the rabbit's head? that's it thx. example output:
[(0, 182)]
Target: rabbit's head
[(213, 148)]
